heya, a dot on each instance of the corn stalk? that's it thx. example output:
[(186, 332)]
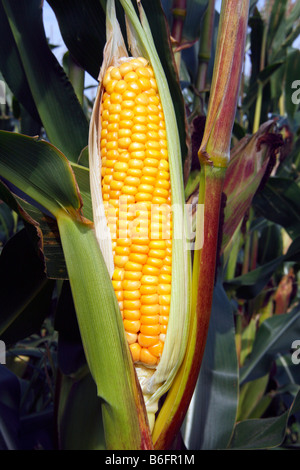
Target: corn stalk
[(214, 154)]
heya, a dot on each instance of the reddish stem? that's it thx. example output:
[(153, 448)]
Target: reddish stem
[(184, 387), (179, 12)]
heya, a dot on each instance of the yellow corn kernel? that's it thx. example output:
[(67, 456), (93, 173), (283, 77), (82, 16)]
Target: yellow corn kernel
[(132, 275), (135, 175), (150, 319), (157, 349), (135, 350), (131, 337), (164, 289), (150, 330), (150, 310), (147, 290), (131, 326), (151, 270), (131, 294), (147, 340), (156, 262), (147, 358)]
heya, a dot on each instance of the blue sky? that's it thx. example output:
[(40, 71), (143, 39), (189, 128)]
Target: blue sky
[(52, 31)]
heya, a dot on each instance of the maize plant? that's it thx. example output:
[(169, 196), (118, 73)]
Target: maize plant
[(150, 232)]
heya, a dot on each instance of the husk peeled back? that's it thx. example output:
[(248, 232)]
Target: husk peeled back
[(154, 382)]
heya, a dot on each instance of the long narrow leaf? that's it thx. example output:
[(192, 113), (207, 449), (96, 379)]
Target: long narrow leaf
[(275, 335), (55, 99), (249, 285), (263, 433), (40, 170), (82, 25), (214, 404), (12, 69), (25, 295)]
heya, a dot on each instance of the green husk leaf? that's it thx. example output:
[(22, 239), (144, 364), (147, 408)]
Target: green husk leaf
[(103, 337)]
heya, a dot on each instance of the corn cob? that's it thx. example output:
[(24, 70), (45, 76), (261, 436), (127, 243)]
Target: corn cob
[(135, 179), (135, 170)]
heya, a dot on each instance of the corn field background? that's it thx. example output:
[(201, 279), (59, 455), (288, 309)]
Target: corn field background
[(247, 393)]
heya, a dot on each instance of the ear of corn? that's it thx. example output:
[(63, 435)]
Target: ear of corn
[(136, 177)]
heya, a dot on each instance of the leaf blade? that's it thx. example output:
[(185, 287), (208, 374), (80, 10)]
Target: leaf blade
[(55, 99), (39, 170)]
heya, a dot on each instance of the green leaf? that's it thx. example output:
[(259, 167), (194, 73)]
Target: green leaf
[(12, 69), (211, 420), (279, 202), (249, 285), (192, 183), (82, 176), (7, 223), (256, 24), (268, 71), (60, 111), (25, 295), (82, 25), (286, 31), (193, 20), (264, 77), (275, 335), (292, 73), (45, 228), (70, 355), (28, 125), (80, 427), (251, 394), (276, 20), (52, 251), (9, 410), (39, 170), (264, 433), (83, 159), (37, 157), (247, 340), (270, 242)]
